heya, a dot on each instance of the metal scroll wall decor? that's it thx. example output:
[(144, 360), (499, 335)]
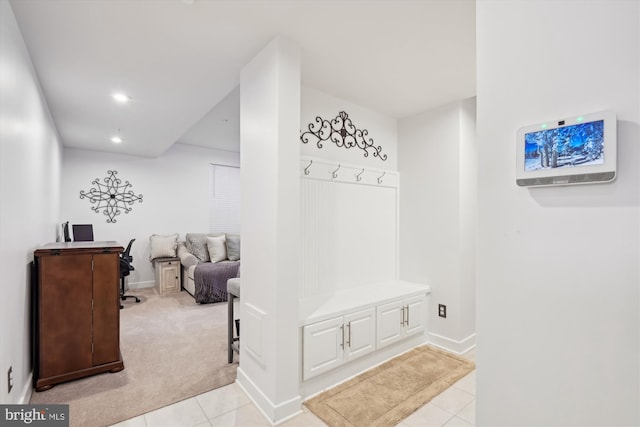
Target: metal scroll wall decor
[(111, 197), (341, 131)]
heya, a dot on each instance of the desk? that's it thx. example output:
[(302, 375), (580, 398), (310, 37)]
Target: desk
[(77, 311)]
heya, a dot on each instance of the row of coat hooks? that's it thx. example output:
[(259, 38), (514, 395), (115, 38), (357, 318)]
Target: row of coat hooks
[(334, 173)]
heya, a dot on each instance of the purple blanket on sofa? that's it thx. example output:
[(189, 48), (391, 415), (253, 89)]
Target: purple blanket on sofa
[(210, 280)]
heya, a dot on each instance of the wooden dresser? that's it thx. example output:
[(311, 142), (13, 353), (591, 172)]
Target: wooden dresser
[(77, 311)]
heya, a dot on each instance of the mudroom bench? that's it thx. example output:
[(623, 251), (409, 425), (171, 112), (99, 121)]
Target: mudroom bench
[(348, 324)]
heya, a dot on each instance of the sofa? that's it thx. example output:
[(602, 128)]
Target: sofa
[(207, 261)]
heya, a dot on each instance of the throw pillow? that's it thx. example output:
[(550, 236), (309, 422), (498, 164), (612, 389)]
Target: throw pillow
[(233, 246), (197, 245), (217, 248), (163, 246)]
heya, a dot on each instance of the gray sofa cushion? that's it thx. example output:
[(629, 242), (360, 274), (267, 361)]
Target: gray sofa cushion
[(197, 244), (233, 247)]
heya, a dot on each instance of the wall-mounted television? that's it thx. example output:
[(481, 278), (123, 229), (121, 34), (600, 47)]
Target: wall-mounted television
[(574, 150)]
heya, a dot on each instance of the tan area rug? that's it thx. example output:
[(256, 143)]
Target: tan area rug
[(172, 349), (386, 394)]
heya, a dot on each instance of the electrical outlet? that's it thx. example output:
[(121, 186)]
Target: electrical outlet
[(442, 310), (10, 379)]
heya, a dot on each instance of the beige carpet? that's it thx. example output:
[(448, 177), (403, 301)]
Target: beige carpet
[(172, 349), (385, 395)]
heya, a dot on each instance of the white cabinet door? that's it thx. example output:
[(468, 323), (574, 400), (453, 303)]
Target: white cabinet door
[(330, 343), (322, 347), (170, 277), (401, 318), (360, 333), (416, 314), (390, 318), (167, 275)]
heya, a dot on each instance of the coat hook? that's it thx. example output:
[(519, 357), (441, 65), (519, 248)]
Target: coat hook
[(334, 174), (306, 170), (358, 177), (380, 178)]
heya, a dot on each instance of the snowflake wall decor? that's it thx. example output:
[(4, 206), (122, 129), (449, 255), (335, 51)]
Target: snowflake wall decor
[(111, 197)]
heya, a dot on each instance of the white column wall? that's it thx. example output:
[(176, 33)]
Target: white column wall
[(468, 214), (30, 158), (558, 299), (436, 160), (270, 155)]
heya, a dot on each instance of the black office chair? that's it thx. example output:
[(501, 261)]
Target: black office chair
[(125, 269)]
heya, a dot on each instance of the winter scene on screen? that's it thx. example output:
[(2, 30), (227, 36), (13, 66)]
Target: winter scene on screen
[(575, 145)]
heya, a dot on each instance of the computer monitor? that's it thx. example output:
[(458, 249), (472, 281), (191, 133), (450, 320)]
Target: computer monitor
[(82, 233)]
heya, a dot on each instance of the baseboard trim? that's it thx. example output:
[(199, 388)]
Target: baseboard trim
[(140, 285), (454, 346), (275, 414), (27, 390)]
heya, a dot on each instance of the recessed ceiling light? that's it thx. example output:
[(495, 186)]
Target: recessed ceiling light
[(121, 97), (116, 139)]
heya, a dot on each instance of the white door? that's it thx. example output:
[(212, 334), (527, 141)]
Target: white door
[(360, 333), (322, 347), (416, 314), (390, 318)]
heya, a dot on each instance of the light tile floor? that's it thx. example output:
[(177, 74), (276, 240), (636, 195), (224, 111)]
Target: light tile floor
[(229, 407)]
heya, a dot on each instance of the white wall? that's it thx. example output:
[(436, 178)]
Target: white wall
[(30, 157), (175, 189), (558, 299), (382, 129), (344, 218), (349, 231), (436, 160)]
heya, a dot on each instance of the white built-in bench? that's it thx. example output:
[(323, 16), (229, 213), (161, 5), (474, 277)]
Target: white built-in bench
[(348, 324)]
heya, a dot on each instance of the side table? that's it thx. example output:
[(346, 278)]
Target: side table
[(167, 275)]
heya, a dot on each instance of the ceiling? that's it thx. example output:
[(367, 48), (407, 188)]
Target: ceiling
[(180, 61)]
